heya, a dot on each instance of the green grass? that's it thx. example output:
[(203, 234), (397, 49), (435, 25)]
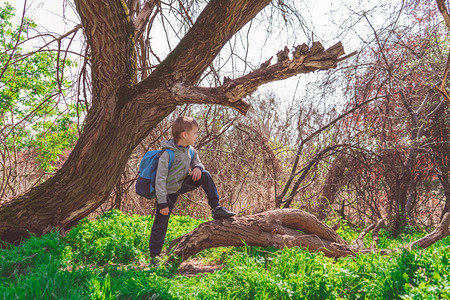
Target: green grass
[(102, 259)]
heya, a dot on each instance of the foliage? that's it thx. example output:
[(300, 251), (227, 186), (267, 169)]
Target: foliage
[(32, 87), (104, 259)]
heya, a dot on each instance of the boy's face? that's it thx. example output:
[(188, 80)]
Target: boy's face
[(191, 135)]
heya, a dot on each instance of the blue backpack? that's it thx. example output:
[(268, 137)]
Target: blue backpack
[(145, 184)]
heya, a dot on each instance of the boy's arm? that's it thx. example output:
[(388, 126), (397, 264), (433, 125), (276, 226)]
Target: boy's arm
[(195, 162), (161, 180)]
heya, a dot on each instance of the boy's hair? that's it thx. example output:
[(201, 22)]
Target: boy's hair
[(182, 124)]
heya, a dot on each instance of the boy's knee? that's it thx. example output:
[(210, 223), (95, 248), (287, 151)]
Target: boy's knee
[(206, 173)]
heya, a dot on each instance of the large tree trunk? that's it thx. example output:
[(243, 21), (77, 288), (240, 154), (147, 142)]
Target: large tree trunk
[(123, 111), (86, 179)]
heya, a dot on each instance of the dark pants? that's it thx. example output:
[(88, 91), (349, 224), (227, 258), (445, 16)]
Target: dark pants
[(160, 223)]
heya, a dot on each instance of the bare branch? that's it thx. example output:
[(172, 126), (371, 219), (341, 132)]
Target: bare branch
[(277, 228), (233, 91), (214, 135), (360, 240), (304, 141), (284, 228), (217, 23), (375, 232), (441, 89), (304, 172), (201, 95), (443, 9), (143, 18)]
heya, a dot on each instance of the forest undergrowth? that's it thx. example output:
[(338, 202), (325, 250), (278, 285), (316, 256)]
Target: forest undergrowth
[(107, 259)]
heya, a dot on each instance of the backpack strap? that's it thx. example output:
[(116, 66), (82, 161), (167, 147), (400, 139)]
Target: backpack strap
[(191, 153)]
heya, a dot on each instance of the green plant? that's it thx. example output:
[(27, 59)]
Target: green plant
[(32, 86), (113, 238), (79, 267)]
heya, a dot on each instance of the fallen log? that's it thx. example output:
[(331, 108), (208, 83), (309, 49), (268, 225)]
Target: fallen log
[(280, 228)]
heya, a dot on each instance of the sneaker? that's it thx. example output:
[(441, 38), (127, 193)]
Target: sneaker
[(154, 262), (221, 212)]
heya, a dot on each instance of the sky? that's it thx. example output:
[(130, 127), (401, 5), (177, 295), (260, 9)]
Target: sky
[(322, 17), (53, 15)]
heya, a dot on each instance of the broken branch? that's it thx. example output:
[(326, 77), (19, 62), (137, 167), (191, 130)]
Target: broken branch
[(234, 90)]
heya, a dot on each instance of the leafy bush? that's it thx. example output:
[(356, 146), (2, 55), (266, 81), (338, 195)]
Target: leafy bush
[(115, 237)]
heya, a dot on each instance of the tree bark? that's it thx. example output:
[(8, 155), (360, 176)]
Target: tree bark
[(123, 112), (279, 228), (441, 232), (443, 9), (283, 228)]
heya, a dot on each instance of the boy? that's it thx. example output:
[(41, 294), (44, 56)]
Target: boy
[(171, 183)]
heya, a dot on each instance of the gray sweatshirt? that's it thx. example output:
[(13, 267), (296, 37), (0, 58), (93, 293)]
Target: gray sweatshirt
[(170, 181)]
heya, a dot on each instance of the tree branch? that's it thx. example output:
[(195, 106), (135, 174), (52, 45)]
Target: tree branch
[(217, 23), (440, 232), (143, 17), (201, 95), (277, 228), (231, 92), (360, 240), (376, 230), (305, 171), (443, 9), (309, 137), (113, 54)]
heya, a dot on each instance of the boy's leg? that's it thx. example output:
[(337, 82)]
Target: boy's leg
[(210, 189), (159, 228), (207, 184)]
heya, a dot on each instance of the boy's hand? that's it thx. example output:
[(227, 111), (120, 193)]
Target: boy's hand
[(196, 174), (164, 211)]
